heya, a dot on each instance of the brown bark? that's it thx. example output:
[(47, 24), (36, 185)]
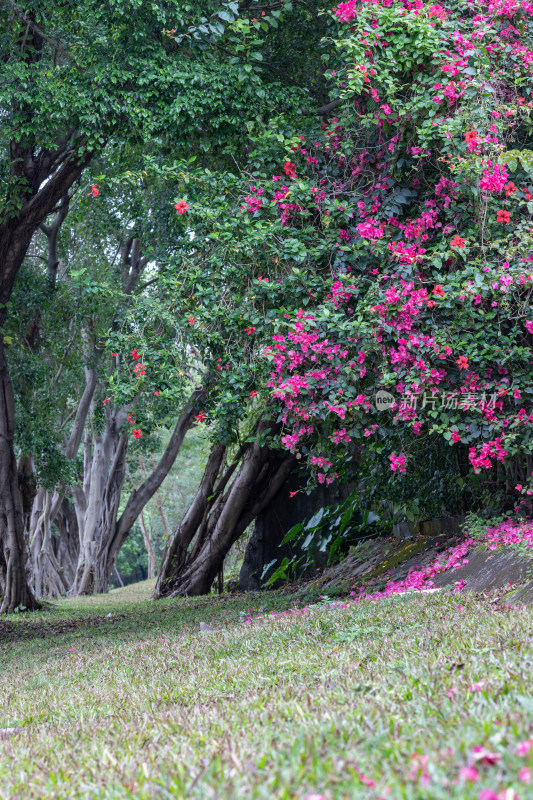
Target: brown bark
[(16, 589), (47, 176), (218, 519), (176, 551)]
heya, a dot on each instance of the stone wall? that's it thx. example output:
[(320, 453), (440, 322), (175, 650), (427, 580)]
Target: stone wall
[(429, 527)]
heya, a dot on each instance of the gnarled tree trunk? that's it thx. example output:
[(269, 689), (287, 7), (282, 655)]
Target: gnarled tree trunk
[(219, 515), (97, 503), (50, 578), (16, 592), (42, 178), (102, 532)]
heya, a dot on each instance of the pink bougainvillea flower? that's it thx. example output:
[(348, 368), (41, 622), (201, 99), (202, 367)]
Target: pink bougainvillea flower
[(476, 687), (469, 774), (503, 216), (480, 754), (529, 326), (524, 775), (181, 207), (488, 794), (524, 747), (397, 463), (137, 433)]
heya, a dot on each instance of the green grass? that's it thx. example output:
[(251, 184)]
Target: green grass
[(146, 706)]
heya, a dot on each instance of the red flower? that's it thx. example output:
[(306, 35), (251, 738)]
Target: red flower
[(253, 394), (95, 190), (290, 169), (157, 393), (250, 330), (191, 320), (114, 354), (503, 216), (438, 290), (106, 401), (458, 242), (471, 136), (291, 494), (510, 188), (181, 207), (140, 369), (462, 362), (134, 354), (137, 433), (201, 417), (130, 419)]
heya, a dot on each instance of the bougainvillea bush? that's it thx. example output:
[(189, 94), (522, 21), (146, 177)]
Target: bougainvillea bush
[(413, 205)]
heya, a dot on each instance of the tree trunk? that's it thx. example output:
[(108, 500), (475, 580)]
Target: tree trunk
[(16, 589), (220, 519), (118, 576), (97, 504), (148, 543), (175, 554), (52, 567), (102, 533), (139, 497), (45, 177)]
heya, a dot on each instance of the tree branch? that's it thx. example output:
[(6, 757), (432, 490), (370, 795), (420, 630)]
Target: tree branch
[(323, 111), (149, 487), (30, 23)]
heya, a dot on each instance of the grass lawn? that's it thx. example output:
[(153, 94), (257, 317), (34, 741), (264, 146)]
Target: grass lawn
[(118, 697)]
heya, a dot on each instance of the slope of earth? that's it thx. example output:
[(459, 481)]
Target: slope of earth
[(501, 560)]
